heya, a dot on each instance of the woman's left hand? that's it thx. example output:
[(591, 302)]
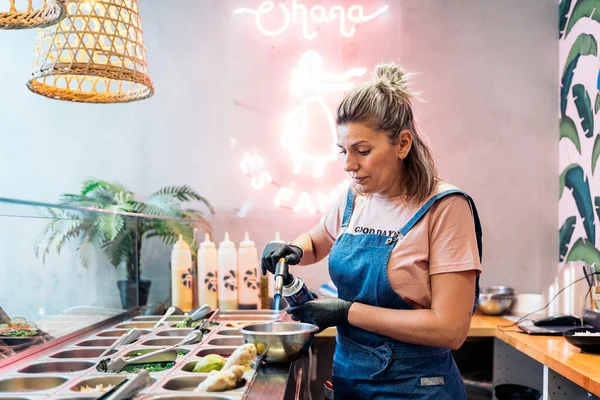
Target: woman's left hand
[(329, 311)]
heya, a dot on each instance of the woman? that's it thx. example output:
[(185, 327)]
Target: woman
[(404, 252)]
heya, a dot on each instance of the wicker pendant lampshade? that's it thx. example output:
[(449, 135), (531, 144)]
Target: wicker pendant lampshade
[(23, 14), (95, 55)]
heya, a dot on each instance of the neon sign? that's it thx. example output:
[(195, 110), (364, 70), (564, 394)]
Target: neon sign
[(309, 81), (296, 13)]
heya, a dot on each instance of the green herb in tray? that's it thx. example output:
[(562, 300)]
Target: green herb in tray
[(152, 367)]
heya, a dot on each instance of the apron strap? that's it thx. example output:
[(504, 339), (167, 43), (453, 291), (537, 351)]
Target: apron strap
[(423, 210), (478, 231), (349, 208)]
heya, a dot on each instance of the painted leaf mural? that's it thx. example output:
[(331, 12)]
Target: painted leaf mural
[(564, 235), (565, 84), (595, 153), (575, 179), (585, 45), (569, 130), (583, 9), (565, 6), (584, 108), (580, 94), (585, 251)]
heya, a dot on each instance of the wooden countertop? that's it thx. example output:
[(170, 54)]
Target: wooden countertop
[(553, 351)]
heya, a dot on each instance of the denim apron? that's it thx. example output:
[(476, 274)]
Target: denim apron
[(367, 365)]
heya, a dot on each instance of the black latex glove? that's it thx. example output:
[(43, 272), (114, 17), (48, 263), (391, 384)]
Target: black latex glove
[(274, 251), (330, 311)]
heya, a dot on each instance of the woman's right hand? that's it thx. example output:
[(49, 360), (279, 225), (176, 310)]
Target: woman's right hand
[(275, 251)]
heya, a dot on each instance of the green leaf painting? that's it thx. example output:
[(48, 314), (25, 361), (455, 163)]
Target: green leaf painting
[(562, 178), (584, 108), (585, 45), (595, 152), (597, 104), (584, 250), (597, 206), (575, 179), (565, 84), (565, 6), (583, 9), (569, 131), (565, 233)]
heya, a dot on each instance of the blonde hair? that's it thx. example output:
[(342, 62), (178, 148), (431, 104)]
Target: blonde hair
[(384, 104)]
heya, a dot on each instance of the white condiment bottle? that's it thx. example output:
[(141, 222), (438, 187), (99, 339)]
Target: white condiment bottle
[(248, 283), (207, 273), (228, 288), (181, 275)]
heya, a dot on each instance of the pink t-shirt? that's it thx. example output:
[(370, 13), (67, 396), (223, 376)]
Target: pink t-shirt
[(442, 241)]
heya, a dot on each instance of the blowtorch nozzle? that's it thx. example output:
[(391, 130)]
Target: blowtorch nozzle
[(282, 276)]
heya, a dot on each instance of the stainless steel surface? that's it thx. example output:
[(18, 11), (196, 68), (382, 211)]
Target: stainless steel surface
[(161, 342), (229, 332), (80, 353), (88, 357), (31, 384), (96, 342), (140, 325), (155, 318), (162, 320), (57, 367), (497, 290), (495, 304), (226, 342), (246, 317), (190, 382), (281, 341), (222, 351), (129, 337), (119, 332), (183, 332)]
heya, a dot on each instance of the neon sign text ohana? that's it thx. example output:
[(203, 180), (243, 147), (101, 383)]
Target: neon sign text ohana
[(297, 13)]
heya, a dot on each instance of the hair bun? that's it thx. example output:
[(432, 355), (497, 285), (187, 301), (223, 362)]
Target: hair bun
[(392, 79)]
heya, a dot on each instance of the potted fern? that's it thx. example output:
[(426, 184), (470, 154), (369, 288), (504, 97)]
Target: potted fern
[(118, 235)]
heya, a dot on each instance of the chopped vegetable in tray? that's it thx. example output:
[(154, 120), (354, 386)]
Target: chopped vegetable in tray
[(152, 367), (100, 388), (132, 355)]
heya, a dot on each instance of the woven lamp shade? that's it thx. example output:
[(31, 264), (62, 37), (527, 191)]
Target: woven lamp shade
[(95, 55), (23, 14)]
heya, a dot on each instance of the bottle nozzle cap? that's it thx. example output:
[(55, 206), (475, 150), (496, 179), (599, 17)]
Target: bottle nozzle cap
[(207, 243), (181, 244), (226, 242), (246, 242)]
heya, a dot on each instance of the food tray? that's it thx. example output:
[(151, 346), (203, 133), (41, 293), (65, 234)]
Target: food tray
[(56, 374)]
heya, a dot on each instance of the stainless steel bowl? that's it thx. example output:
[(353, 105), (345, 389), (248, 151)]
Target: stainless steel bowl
[(280, 341), (504, 290), (495, 304)]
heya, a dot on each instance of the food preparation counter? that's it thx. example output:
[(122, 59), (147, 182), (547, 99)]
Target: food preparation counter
[(561, 364)]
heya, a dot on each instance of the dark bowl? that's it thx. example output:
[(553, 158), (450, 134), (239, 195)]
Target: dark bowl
[(516, 392), (16, 340), (588, 344)]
